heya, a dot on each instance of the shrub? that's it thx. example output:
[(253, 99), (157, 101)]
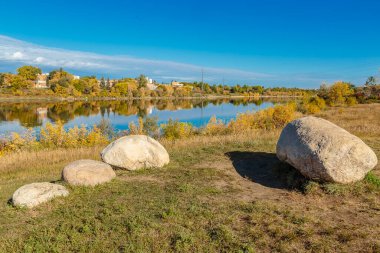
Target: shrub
[(271, 118), (351, 101), (54, 135), (136, 129), (106, 128), (214, 127), (18, 142), (176, 130), (313, 105), (150, 126), (283, 114), (95, 137)]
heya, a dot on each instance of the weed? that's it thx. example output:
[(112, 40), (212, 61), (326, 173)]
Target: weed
[(373, 179)]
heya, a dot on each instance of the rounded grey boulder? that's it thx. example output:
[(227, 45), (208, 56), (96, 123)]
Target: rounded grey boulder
[(87, 173), (322, 151), (134, 152), (31, 195)]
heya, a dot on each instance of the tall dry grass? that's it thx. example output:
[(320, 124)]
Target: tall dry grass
[(362, 120)]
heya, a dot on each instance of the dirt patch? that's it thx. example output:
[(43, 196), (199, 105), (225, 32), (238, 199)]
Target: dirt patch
[(263, 185), (260, 176)]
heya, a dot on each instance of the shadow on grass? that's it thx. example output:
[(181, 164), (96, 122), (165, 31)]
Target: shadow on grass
[(266, 169)]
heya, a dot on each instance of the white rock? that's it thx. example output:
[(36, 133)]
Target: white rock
[(322, 151), (31, 195), (87, 173), (134, 152)]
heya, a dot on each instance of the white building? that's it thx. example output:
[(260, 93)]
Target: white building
[(41, 81), (150, 84), (176, 84)]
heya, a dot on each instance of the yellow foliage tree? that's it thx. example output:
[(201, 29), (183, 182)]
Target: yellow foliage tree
[(339, 92)]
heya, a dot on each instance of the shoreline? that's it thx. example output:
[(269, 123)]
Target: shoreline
[(74, 99)]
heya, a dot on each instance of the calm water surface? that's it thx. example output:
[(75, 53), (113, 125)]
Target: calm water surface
[(18, 116)]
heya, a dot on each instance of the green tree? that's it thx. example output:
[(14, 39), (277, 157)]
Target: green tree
[(108, 83), (142, 81), (2, 79), (258, 88), (370, 81), (29, 72), (103, 84)]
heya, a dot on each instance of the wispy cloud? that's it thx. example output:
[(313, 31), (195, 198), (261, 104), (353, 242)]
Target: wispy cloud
[(310, 73), (17, 51)]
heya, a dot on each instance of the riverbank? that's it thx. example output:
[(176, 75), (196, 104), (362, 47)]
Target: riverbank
[(219, 193), (58, 99)]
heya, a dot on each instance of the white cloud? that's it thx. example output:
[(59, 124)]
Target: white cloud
[(17, 55), (13, 50), (39, 59)]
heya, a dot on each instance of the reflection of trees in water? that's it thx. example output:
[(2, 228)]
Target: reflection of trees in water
[(27, 115), (32, 114)]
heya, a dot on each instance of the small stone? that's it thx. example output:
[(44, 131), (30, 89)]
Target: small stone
[(87, 173), (31, 195)]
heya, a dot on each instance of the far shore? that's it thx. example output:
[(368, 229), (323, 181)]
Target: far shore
[(58, 99)]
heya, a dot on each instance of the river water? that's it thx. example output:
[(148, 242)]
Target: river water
[(19, 116)]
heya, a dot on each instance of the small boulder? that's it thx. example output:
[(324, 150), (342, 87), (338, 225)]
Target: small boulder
[(87, 173), (322, 151), (134, 152), (31, 195)]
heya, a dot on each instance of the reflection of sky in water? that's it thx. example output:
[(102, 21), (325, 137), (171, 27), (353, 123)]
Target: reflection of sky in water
[(195, 116)]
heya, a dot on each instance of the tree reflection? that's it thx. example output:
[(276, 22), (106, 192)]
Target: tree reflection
[(33, 114)]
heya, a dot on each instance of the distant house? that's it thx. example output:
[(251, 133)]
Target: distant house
[(41, 81), (150, 84), (176, 84), (76, 77)]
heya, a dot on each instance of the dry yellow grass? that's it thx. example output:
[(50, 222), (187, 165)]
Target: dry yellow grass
[(361, 120)]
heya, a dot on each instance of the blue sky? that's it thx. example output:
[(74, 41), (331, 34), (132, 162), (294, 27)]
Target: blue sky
[(271, 42)]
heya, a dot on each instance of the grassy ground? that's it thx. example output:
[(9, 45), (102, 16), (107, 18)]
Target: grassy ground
[(218, 194)]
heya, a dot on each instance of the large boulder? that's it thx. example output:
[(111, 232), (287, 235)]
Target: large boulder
[(324, 152), (134, 152), (31, 195), (87, 173)]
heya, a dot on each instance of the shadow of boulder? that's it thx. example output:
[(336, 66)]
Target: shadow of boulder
[(266, 169)]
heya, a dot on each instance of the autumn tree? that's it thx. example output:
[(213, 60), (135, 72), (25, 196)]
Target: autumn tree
[(125, 87), (29, 72), (18, 82), (339, 92), (59, 79), (79, 85)]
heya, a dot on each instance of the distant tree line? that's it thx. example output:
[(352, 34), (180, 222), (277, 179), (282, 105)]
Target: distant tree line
[(62, 83)]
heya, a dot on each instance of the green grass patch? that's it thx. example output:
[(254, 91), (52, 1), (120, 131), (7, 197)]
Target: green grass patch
[(373, 179)]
